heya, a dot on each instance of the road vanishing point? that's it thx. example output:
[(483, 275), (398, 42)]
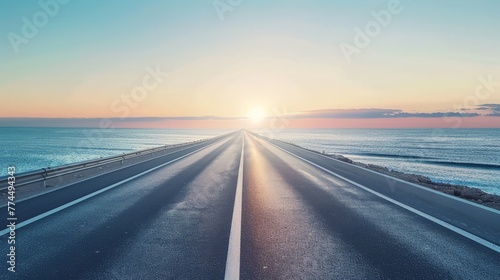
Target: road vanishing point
[(243, 206)]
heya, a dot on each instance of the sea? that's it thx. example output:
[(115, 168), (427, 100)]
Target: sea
[(469, 157), (31, 149)]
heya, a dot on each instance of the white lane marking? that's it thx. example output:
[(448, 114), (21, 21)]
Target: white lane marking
[(83, 198), (462, 232), (102, 174), (416, 185), (234, 250)]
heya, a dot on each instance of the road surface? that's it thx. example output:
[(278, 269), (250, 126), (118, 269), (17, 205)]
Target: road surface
[(275, 215)]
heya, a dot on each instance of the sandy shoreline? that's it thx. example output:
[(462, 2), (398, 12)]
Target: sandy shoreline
[(468, 193)]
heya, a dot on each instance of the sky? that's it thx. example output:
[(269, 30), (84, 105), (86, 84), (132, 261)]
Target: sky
[(250, 63)]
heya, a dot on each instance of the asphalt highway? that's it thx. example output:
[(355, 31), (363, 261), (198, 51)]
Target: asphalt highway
[(274, 214)]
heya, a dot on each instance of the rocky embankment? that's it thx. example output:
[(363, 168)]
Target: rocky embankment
[(472, 194)]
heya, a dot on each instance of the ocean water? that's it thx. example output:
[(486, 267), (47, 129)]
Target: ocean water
[(34, 148), (468, 157)]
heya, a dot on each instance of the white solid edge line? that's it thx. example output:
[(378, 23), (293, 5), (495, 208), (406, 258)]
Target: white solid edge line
[(234, 250), (412, 184), (462, 232), (102, 174), (69, 204)]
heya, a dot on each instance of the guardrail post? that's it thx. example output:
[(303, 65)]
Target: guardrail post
[(44, 175)]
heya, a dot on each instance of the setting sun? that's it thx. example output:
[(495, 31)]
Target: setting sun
[(256, 115)]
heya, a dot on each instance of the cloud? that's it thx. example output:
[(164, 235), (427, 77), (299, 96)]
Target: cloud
[(435, 115), (495, 107), (490, 110), (374, 113), (346, 114)]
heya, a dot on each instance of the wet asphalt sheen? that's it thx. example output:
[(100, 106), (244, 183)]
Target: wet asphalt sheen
[(297, 222)]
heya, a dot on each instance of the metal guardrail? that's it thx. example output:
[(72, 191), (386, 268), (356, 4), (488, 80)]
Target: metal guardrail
[(44, 174)]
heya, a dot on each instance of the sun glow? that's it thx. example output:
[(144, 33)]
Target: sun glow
[(256, 115)]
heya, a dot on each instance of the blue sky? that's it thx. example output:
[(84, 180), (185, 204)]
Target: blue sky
[(264, 54)]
